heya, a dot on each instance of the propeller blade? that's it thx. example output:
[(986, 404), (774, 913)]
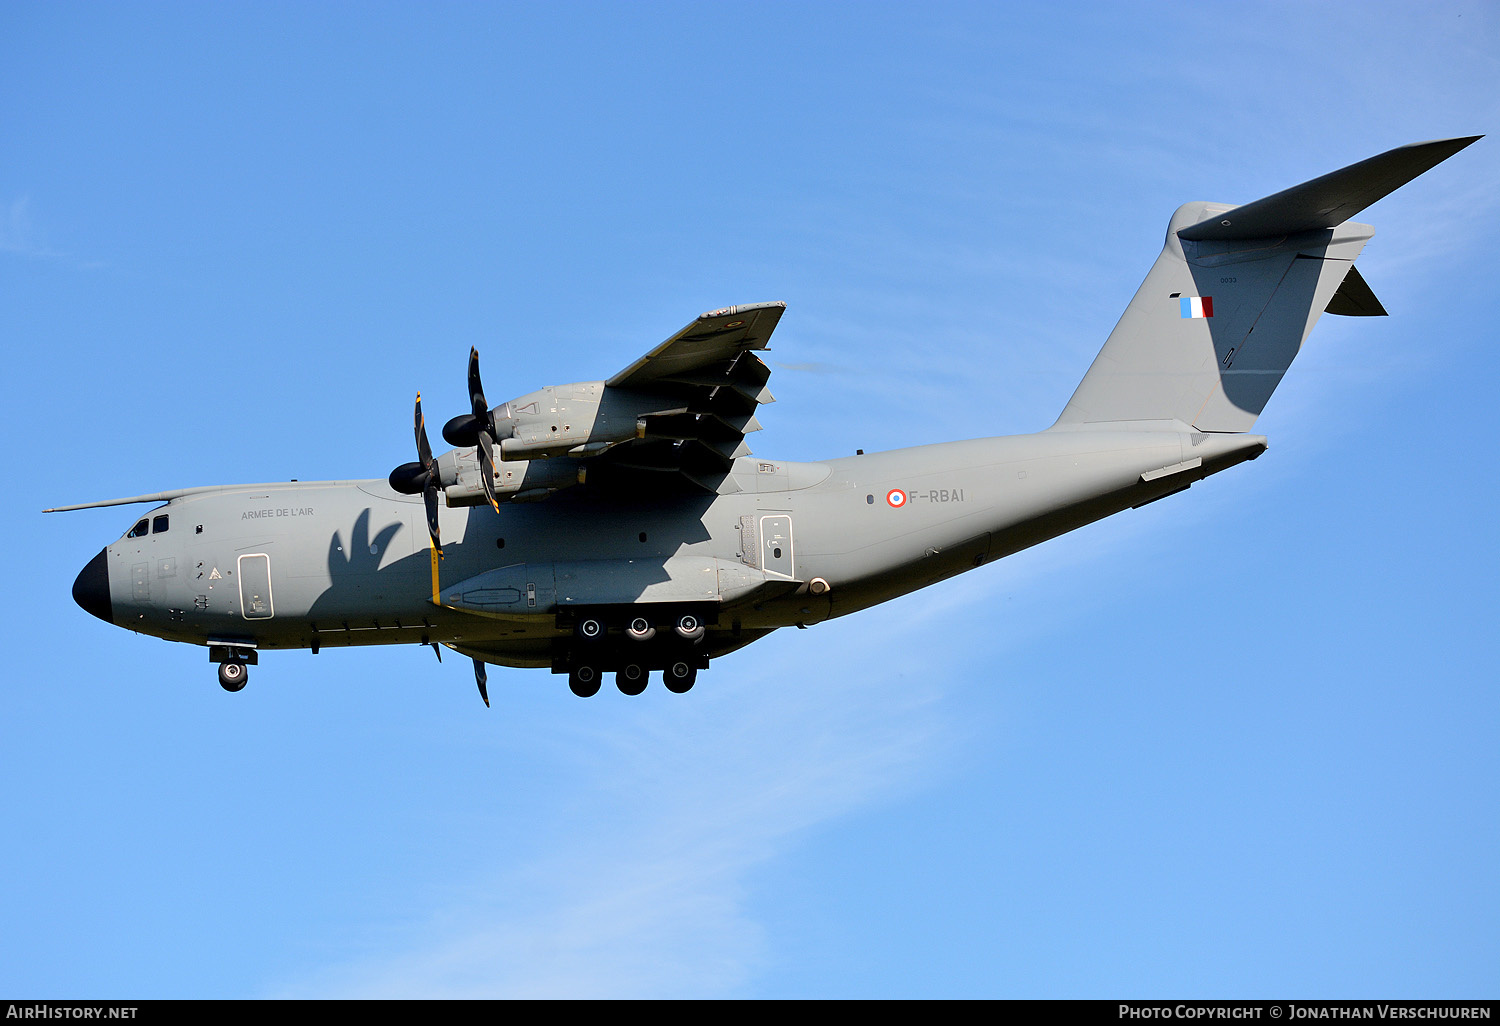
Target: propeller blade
[(424, 451), (436, 651), (429, 477), (487, 468), (485, 429), (479, 678), (477, 401), (430, 500)]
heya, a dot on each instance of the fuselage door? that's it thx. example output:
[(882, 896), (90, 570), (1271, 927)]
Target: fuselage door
[(255, 587), (776, 545)]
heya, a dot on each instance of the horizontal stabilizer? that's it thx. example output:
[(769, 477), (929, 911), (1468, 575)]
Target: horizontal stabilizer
[(1354, 298), (1327, 201)]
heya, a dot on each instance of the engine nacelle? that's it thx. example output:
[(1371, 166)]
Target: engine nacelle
[(581, 419), (526, 481)]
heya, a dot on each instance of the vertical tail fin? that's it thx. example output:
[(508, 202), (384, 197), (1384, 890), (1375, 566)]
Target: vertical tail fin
[(1235, 292)]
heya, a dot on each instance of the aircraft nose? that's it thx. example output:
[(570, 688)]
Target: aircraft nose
[(91, 589)]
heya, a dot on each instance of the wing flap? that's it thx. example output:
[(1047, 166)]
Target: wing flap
[(711, 368)]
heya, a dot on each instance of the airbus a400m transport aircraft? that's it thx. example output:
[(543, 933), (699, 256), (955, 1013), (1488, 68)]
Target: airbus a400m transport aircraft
[(622, 525)]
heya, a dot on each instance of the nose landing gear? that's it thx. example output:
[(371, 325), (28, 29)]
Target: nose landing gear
[(233, 676), (234, 664)]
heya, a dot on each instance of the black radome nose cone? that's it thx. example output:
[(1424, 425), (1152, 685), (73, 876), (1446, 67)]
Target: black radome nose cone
[(91, 590)]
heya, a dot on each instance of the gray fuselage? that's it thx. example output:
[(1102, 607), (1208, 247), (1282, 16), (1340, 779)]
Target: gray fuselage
[(304, 565)]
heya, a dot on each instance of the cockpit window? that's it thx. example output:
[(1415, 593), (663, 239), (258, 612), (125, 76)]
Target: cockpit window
[(159, 524), (140, 530)]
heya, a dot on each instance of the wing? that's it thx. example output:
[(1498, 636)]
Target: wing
[(708, 344), (708, 383)]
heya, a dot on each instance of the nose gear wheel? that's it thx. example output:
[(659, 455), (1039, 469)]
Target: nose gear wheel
[(233, 676)]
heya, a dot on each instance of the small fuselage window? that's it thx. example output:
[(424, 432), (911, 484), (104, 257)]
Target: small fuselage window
[(159, 525), (140, 530)]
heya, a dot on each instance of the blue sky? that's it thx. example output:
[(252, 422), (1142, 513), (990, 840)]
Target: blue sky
[(1238, 743)]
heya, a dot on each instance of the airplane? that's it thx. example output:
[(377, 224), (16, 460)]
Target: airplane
[(624, 526)]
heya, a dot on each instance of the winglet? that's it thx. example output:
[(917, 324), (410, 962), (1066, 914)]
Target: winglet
[(1329, 200)]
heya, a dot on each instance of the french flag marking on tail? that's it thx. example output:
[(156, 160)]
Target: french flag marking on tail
[(1197, 306)]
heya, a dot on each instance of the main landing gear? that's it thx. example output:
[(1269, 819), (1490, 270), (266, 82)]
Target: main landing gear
[(679, 676), (632, 678), (645, 642), (584, 680)]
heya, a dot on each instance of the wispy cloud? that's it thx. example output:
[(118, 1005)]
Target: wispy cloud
[(669, 811), (20, 235)]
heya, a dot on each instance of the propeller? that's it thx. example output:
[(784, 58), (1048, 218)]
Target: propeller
[(421, 478), (478, 428), (485, 429)]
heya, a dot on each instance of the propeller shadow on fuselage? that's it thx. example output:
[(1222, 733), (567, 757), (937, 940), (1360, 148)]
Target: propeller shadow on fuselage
[(366, 580), (584, 523), (361, 555), (359, 586)]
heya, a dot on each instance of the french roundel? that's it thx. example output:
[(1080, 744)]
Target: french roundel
[(896, 497)]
